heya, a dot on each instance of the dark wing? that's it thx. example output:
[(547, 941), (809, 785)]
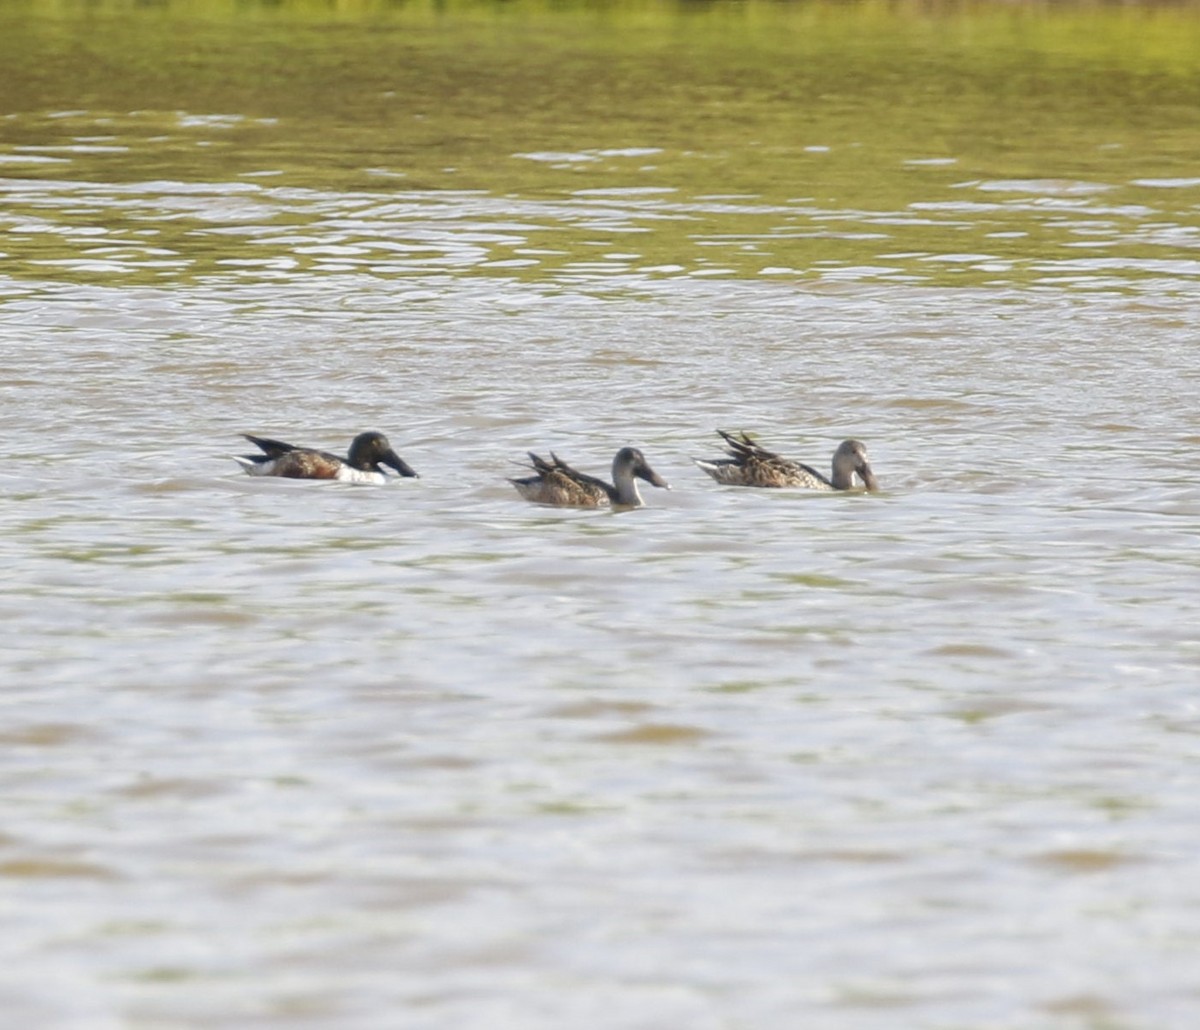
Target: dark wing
[(543, 469), (270, 448), (742, 448), (541, 466)]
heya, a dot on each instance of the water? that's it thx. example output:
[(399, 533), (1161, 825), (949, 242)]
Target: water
[(310, 755)]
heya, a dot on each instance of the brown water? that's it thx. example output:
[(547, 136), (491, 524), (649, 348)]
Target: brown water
[(306, 755)]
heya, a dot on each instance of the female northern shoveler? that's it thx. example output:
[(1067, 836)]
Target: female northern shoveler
[(557, 483), (752, 465), (367, 452)]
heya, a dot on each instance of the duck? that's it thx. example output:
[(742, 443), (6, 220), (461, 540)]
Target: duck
[(556, 483), (362, 465), (750, 464)]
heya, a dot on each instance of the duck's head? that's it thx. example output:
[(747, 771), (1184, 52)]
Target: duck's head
[(632, 462), (851, 458), (370, 450)]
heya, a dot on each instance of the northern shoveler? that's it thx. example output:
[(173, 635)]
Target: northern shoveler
[(557, 483), (752, 465), (367, 452)]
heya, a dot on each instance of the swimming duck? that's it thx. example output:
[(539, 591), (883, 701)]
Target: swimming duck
[(557, 483), (752, 465), (367, 452)]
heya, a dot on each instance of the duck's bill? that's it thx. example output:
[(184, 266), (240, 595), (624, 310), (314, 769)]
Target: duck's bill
[(868, 478), (652, 477), (393, 460)]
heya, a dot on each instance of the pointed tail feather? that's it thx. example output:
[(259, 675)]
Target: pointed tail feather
[(271, 448)]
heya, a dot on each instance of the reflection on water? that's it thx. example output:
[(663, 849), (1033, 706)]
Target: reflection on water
[(850, 142), (297, 754), (1031, 233)]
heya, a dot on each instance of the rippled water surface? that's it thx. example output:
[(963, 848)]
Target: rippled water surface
[(310, 755)]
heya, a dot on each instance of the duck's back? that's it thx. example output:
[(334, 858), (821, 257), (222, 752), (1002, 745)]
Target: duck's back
[(557, 483)]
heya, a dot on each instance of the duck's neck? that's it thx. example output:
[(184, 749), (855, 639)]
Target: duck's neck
[(627, 488), (843, 476)]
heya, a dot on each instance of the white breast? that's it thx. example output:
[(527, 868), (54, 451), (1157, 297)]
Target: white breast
[(346, 474)]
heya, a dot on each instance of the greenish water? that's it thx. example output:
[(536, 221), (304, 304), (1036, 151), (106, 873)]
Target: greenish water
[(739, 137)]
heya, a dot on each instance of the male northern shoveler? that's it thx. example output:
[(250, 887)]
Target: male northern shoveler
[(557, 483), (752, 465), (367, 453)]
